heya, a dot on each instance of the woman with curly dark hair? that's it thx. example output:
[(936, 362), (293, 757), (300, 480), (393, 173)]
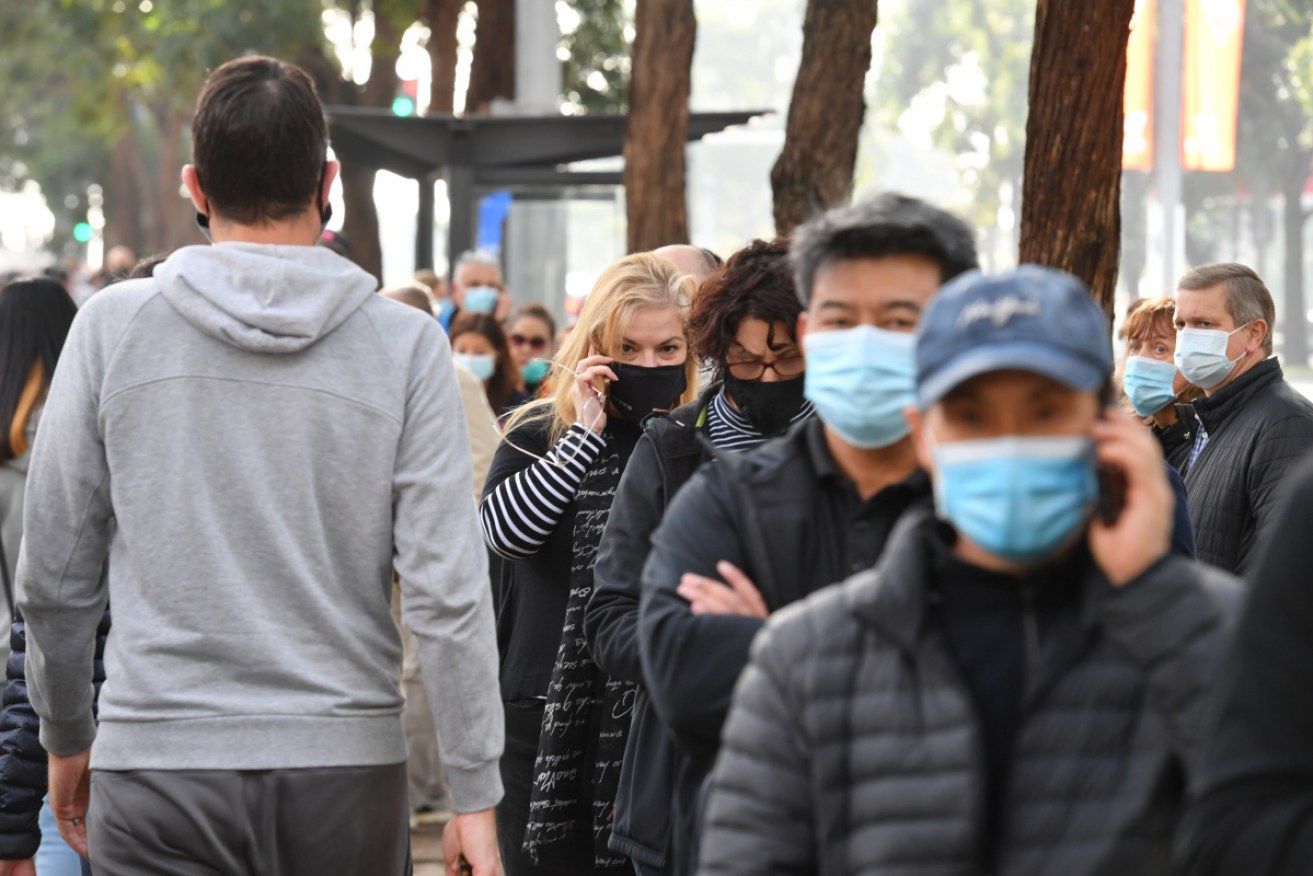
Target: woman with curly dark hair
[(478, 343), (744, 326)]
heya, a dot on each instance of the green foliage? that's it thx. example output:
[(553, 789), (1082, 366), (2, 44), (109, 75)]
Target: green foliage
[(972, 58), (596, 57), (81, 74)]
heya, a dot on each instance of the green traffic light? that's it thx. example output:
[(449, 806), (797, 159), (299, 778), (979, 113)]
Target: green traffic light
[(403, 106), (82, 232)]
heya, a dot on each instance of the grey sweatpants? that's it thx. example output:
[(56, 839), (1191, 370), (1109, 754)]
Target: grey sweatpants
[(347, 821)]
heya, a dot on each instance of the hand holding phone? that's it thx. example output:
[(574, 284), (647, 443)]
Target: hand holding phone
[(1133, 527)]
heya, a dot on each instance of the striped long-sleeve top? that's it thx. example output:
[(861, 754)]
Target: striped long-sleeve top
[(520, 512)]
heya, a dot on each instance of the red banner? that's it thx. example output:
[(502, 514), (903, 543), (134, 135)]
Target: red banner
[(1137, 138), (1214, 36)]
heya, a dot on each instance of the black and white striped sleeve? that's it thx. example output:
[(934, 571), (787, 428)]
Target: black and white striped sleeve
[(520, 513)]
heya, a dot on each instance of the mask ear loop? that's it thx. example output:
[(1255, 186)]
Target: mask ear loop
[(601, 412)]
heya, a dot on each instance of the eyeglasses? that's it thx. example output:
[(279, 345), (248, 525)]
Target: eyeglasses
[(534, 343), (756, 368)]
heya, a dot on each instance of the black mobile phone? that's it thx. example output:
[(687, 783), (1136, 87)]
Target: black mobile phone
[(1112, 493)]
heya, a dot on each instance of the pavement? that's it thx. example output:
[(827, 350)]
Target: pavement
[(426, 849)]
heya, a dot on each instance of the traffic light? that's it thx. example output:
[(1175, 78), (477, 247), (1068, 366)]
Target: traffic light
[(82, 232), (404, 103)]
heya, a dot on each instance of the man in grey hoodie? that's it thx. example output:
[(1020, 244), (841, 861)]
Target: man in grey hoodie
[(256, 441)]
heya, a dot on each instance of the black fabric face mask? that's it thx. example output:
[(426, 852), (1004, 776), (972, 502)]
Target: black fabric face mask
[(640, 391), (769, 407)]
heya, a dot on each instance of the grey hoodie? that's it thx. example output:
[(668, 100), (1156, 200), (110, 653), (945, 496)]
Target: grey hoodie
[(271, 439)]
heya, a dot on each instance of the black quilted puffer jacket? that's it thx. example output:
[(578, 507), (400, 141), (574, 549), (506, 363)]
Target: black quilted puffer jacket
[(853, 744), (22, 759), (1258, 428)]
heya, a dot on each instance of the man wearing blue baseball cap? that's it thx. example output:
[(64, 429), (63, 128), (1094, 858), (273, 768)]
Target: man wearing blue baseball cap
[(1019, 686)]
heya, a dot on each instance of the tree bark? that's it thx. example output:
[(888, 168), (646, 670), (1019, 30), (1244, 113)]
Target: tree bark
[(441, 16), (173, 212), (815, 169), (1070, 217), (123, 213), (665, 32), (492, 74), (1295, 330)]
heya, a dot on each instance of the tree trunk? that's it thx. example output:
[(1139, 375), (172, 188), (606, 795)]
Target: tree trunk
[(441, 16), (123, 202), (664, 34), (174, 213), (492, 74), (1295, 329), (1070, 216), (815, 169)]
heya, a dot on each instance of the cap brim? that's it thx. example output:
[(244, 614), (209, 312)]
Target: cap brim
[(1079, 374)]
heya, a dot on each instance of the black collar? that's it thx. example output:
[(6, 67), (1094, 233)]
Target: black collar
[(894, 597), (823, 464), (1216, 409)]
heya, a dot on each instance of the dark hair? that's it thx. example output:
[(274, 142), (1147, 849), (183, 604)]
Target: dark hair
[(146, 267), (534, 310), (755, 283), (35, 315), (1247, 299), (886, 225), (505, 378), (259, 140)]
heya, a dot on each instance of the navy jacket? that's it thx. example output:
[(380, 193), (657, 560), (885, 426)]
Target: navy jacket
[(22, 759)]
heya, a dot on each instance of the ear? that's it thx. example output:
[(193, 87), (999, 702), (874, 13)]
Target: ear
[(193, 184), (331, 170), (916, 425), (1256, 335)]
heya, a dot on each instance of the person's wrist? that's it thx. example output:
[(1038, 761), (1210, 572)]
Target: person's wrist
[(1121, 575)]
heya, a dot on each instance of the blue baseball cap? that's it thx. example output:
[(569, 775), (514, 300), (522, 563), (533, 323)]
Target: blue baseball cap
[(1032, 319)]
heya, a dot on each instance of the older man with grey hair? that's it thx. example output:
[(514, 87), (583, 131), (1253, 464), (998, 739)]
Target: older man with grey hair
[(1250, 427), (477, 286)]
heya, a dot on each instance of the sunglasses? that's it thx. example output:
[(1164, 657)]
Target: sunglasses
[(534, 343)]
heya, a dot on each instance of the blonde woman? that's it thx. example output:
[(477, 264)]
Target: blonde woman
[(545, 505)]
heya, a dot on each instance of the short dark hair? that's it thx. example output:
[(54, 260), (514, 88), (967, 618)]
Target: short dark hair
[(259, 140), (756, 282), (1247, 298), (885, 225)]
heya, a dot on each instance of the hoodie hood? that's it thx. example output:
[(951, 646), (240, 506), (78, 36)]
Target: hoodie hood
[(261, 297)]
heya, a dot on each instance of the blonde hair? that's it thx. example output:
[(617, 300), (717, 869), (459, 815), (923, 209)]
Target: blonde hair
[(636, 282)]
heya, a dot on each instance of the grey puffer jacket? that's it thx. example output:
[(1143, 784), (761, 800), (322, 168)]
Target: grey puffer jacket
[(852, 746)]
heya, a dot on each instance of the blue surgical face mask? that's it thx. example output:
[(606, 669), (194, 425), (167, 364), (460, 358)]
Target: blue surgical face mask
[(860, 380), (1018, 498), (481, 299), (482, 364), (1149, 384), (535, 371), (1201, 355)]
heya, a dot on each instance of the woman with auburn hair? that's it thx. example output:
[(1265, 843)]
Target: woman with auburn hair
[(545, 505), (1151, 384)]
